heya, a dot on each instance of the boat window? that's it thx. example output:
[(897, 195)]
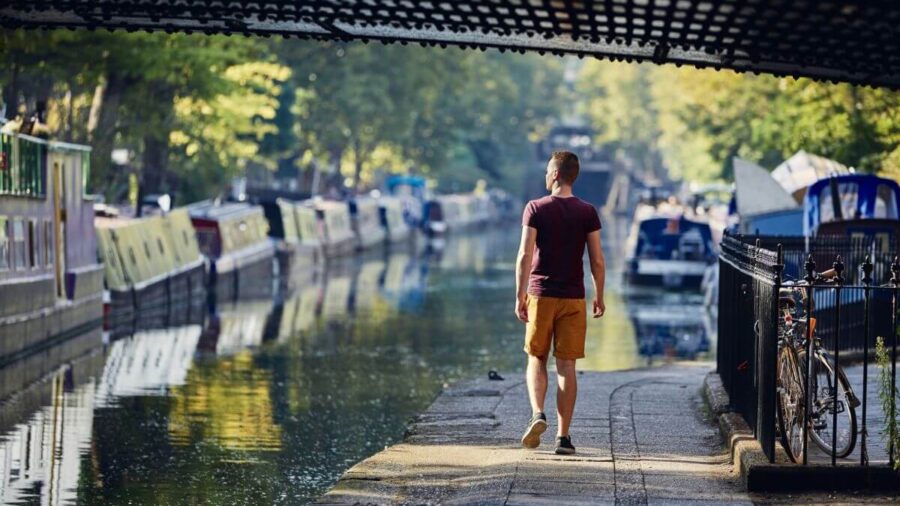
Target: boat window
[(32, 246), (848, 192), (111, 258), (131, 255), (159, 244), (185, 237), (18, 246), (885, 202), (4, 244), (146, 250), (48, 243)]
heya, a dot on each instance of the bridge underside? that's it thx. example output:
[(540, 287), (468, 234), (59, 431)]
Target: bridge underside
[(839, 40)]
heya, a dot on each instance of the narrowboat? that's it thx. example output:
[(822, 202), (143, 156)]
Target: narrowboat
[(292, 228), (234, 237), (465, 210), (365, 218), (51, 284), (855, 205), (393, 219), (335, 230), (668, 250), (152, 267), (433, 223)]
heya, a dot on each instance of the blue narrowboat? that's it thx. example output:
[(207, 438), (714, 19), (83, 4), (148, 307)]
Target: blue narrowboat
[(670, 251), (857, 205)]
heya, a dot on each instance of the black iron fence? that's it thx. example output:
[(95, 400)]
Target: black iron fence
[(823, 251), (850, 289)]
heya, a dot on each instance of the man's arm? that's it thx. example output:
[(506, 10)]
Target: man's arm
[(523, 269), (598, 271)]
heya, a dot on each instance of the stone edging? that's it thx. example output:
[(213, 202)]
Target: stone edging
[(759, 475)]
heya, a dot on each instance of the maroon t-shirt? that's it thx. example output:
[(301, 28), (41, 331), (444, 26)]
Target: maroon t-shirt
[(563, 224)]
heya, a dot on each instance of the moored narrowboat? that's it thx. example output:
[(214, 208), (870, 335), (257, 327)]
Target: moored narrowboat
[(335, 230), (433, 223), (152, 267), (365, 217), (234, 237), (852, 204), (51, 284), (393, 219), (671, 251), (292, 228)]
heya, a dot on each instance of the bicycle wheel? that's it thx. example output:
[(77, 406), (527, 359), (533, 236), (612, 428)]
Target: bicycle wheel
[(823, 407), (790, 402)]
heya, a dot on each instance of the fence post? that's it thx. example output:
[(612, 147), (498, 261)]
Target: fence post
[(867, 280), (839, 280), (810, 278), (769, 354)]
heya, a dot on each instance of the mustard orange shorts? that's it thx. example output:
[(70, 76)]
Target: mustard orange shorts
[(560, 321)]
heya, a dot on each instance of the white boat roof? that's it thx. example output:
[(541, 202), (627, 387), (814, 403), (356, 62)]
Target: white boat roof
[(803, 169), (757, 192)]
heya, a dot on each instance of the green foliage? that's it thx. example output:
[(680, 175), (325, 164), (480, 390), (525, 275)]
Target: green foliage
[(692, 122), (196, 110), (374, 109), (888, 394)]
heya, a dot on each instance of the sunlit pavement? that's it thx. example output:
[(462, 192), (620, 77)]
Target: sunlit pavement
[(640, 434), (642, 438)]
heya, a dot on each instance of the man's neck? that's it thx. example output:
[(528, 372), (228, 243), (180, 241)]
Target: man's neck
[(561, 191)]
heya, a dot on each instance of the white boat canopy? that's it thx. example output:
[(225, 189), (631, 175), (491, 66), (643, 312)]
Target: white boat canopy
[(798, 172), (757, 192)]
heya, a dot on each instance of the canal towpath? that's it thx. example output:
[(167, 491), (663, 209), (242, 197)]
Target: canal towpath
[(642, 438)]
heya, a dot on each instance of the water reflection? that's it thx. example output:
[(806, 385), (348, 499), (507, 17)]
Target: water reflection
[(47, 424), (268, 401)]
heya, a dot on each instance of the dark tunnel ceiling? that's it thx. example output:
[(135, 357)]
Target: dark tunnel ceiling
[(849, 41)]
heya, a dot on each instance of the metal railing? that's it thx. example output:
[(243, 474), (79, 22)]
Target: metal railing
[(848, 312), (22, 166)]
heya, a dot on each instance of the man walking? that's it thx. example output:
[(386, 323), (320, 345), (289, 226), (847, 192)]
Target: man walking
[(550, 293)]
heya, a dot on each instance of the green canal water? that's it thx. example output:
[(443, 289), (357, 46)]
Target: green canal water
[(269, 403)]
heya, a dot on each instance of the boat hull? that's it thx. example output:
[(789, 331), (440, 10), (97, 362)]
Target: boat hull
[(159, 302), (24, 330), (666, 273), (244, 273)]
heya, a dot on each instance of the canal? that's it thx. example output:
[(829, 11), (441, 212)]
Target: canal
[(270, 402)]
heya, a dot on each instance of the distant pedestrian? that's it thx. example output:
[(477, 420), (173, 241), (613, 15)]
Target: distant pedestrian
[(550, 296)]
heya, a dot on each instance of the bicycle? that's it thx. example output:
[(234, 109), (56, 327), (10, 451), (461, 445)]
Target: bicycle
[(791, 384)]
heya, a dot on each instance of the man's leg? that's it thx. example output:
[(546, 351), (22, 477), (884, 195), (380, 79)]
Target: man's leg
[(566, 391), (536, 377), (538, 336)]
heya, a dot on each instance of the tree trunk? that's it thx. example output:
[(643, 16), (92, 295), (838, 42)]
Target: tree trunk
[(357, 162), (11, 94), (155, 158), (102, 126)]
